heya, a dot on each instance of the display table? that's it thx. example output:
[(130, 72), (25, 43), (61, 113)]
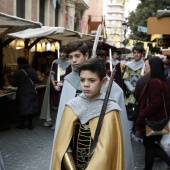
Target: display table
[(8, 105)]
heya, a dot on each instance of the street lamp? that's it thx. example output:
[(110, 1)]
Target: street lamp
[(125, 27)]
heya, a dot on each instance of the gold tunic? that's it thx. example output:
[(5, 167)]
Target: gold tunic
[(109, 152)]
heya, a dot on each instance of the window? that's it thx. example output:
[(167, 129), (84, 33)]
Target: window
[(57, 14), (20, 8), (42, 11)]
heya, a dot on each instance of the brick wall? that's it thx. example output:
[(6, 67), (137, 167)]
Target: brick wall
[(6, 6), (95, 10)]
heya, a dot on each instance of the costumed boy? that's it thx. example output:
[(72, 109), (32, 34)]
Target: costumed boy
[(78, 53), (131, 75), (78, 125), (53, 91), (115, 64)]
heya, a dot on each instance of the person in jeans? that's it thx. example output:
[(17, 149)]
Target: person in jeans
[(151, 107)]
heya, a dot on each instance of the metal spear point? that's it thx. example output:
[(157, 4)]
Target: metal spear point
[(99, 29)]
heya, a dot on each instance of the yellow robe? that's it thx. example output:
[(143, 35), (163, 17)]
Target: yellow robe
[(109, 152)]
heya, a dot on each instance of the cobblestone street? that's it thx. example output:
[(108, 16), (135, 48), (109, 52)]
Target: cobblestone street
[(31, 150)]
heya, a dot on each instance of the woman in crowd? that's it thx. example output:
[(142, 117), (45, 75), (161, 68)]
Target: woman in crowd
[(26, 98), (151, 107)]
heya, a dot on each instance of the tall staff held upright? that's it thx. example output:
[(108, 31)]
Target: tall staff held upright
[(146, 54), (58, 69)]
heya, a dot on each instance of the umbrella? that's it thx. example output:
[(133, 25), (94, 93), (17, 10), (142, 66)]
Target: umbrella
[(123, 51), (101, 45)]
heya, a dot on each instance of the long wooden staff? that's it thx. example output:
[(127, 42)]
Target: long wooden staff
[(102, 114)]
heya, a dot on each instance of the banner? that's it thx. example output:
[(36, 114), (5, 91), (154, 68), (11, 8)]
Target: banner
[(142, 29), (154, 36)]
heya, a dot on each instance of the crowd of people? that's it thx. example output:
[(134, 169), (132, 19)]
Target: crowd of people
[(73, 104)]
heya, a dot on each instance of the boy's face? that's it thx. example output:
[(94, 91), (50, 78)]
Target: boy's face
[(91, 84), (63, 55), (137, 55), (77, 58), (114, 56)]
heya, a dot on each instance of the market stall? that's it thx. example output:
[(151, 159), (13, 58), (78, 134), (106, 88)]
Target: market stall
[(40, 39), (34, 37), (9, 24)]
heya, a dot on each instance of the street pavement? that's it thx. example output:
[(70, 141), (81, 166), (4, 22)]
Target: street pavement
[(31, 149)]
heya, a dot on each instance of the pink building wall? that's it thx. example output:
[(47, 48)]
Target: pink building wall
[(95, 10), (7, 7)]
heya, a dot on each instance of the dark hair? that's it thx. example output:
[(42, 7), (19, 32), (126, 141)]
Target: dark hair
[(157, 68), (168, 56), (22, 60), (77, 45), (147, 58), (95, 65), (138, 48), (63, 49)]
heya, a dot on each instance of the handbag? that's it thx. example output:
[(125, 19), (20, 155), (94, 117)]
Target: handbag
[(157, 127), (165, 141)]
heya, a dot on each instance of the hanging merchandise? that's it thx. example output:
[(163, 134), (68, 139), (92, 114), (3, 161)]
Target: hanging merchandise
[(43, 46), (54, 4), (52, 47), (66, 17), (48, 47), (12, 44), (81, 24), (39, 49), (20, 44)]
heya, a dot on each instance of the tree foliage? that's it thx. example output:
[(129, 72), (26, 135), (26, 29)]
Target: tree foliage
[(146, 9)]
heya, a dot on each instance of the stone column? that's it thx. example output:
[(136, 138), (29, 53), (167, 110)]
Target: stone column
[(28, 7), (70, 8), (47, 13)]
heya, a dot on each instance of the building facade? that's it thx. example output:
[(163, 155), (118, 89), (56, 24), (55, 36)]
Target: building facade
[(114, 19), (63, 13), (93, 16), (110, 13)]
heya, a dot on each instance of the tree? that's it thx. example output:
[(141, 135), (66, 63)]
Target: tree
[(146, 9)]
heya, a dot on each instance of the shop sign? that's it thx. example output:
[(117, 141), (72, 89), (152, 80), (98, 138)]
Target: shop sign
[(163, 42)]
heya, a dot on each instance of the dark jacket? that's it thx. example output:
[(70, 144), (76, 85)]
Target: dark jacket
[(26, 97), (140, 85), (118, 74), (151, 104)]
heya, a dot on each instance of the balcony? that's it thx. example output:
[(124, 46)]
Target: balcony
[(115, 4), (111, 11), (82, 5), (115, 19)]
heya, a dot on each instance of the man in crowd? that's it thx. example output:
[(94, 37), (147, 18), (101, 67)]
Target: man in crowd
[(132, 72)]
